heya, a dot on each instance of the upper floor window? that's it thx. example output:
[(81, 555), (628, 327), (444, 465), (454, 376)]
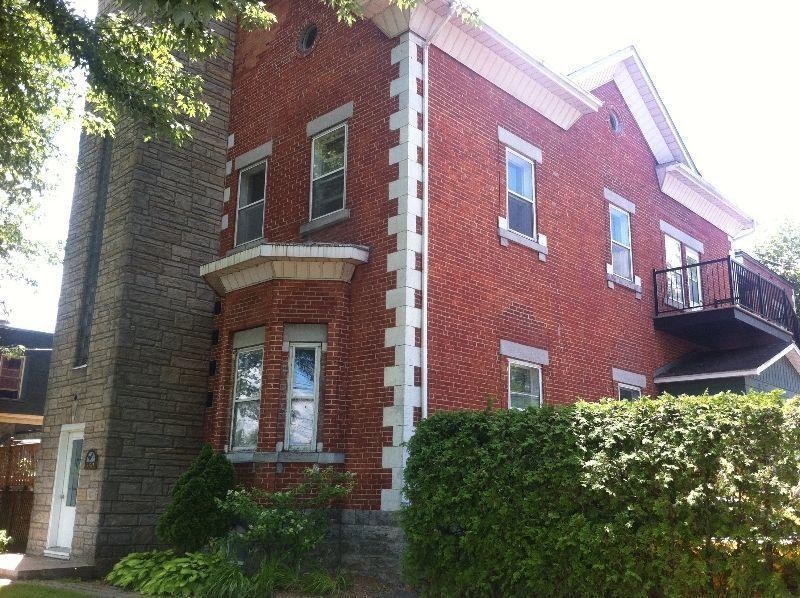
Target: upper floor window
[(524, 385), (628, 392), (10, 376), (250, 210), (521, 194), (621, 248), (674, 263), (303, 396), (328, 171), (248, 365)]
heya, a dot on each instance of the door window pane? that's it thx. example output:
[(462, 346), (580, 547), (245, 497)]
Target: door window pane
[(524, 385), (695, 286), (674, 289), (74, 472), (329, 158)]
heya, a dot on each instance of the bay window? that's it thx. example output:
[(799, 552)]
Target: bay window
[(248, 366), (303, 396)]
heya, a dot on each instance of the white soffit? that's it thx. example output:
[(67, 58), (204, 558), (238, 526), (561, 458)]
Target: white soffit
[(688, 188), (491, 55), (283, 261), (626, 69)]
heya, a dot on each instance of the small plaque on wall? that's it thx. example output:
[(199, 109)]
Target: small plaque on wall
[(91, 459)]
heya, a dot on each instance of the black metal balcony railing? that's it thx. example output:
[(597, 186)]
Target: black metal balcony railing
[(723, 283)]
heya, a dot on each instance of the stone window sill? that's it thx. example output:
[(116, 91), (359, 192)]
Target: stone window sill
[(507, 235), (635, 285), (324, 221), (286, 457), (245, 246)]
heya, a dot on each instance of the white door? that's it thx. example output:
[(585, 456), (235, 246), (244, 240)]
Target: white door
[(66, 489)]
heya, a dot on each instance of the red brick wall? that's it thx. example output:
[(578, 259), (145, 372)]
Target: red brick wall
[(481, 292), (277, 91)]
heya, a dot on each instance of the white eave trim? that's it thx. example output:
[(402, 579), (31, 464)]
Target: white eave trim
[(690, 189), (627, 70), (284, 261), (491, 55), (792, 353)]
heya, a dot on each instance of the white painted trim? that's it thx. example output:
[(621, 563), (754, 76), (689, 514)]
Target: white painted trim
[(681, 236), (532, 200), (529, 365), (343, 169), (619, 201), (283, 261), (710, 376), (621, 385), (58, 483), (611, 208), (519, 145), (791, 352), (239, 209)]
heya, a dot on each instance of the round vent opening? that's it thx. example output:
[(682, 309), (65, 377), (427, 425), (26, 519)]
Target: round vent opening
[(308, 37), (614, 122)]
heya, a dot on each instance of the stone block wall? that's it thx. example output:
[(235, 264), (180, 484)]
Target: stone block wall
[(142, 391)]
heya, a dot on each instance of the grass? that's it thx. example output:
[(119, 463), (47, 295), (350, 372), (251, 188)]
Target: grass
[(29, 590)]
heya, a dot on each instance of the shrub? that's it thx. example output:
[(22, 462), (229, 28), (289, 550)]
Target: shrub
[(283, 526), (193, 517), (674, 496), (5, 540)]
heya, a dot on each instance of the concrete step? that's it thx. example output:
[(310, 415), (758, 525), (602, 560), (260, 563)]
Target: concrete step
[(18, 566)]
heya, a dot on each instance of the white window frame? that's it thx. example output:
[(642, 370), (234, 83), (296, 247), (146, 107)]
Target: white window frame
[(529, 365), (676, 276), (611, 209), (343, 168), (521, 197), (239, 208), (312, 446), (234, 401), (621, 385)]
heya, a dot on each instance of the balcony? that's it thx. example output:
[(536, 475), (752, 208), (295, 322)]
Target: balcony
[(722, 304)]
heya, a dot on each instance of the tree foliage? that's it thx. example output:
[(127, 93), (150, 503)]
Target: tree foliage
[(136, 58), (781, 253), (192, 517), (689, 496)]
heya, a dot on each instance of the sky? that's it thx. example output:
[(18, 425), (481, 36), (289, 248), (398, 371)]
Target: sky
[(726, 71)]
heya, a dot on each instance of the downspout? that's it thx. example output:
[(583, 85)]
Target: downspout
[(425, 195)]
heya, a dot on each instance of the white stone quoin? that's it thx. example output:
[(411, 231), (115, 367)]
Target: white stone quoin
[(405, 193)]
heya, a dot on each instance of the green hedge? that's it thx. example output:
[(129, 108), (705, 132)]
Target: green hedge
[(674, 496)]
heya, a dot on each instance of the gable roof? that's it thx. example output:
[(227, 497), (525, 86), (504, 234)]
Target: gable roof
[(563, 100), (678, 175), (489, 54), (729, 363), (626, 69)]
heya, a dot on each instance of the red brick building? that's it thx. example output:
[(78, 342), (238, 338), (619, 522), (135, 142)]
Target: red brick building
[(419, 217)]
